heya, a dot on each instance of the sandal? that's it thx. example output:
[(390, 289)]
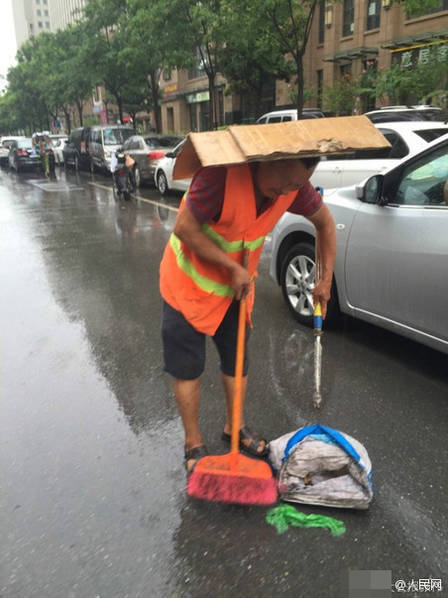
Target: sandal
[(195, 453), (251, 448)]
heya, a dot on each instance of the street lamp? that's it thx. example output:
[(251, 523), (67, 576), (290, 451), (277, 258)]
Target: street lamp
[(386, 4)]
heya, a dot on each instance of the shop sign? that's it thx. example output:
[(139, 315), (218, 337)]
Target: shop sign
[(200, 96), (170, 88), (420, 54)]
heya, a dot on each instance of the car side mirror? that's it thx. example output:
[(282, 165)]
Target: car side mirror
[(170, 155), (372, 190)]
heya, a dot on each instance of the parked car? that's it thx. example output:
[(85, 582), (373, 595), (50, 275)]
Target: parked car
[(405, 138), (5, 144), (278, 116), (58, 147), (392, 261), (22, 155), (163, 176), (103, 141), (146, 151), (405, 113), (75, 152)]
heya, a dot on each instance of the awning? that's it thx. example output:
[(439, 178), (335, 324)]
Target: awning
[(352, 54), (418, 38)]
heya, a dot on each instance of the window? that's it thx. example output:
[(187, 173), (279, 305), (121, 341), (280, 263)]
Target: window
[(373, 14), (431, 134), (40, 25), (45, 2), (346, 69), (170, 118), (37, 1), (424, 183), (321, 35), (39, 12), (47, 25), (46, 12), (348, 23), (198, 69)]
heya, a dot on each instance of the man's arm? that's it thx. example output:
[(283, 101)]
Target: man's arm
[(189, 231), (326, 245)]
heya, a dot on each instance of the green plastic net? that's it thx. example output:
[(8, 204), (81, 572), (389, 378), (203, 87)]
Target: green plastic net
[(283, 516)]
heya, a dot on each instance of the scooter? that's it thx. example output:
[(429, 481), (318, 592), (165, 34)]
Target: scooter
[(122, 178)]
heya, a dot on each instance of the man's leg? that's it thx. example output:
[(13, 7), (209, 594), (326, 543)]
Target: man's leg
[(225, 340), (187, 394), (184, 357), (229, 389)]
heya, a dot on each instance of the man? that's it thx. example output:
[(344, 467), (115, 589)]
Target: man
[(227, 210)]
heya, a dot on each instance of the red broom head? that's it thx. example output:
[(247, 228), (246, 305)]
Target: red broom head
[(233, 479)]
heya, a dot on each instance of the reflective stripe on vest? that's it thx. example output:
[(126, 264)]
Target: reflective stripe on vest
[(204, 283)]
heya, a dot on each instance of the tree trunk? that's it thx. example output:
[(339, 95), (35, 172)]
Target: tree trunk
[(80, 111), (155, 99), (212, 107), (300, 84), (68, 123)]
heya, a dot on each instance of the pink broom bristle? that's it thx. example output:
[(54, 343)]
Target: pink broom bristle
[(235, 489)]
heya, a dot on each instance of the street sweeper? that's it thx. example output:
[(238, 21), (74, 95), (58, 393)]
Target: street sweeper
[(202, 278), (244, 179)]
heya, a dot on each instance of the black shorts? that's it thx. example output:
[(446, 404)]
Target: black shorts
[(184, 346)]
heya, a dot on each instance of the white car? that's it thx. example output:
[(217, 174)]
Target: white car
[(5, 144), (405, 139), (58, 146), (391, 265), (339, 171), (163, 175)]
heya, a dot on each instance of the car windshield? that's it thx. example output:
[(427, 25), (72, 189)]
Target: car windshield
[(116, 136), (24, 144), (162, 141)]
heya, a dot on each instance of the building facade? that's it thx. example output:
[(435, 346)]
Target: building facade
[(346, 36), (349, 34), (64, 12), (31, 17)]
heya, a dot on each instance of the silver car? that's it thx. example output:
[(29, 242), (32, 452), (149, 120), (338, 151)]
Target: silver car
[(392, 260), (147, 151), (104, 141)]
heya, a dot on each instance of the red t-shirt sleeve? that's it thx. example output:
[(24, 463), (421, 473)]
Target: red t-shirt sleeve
[(206, 193), (308, 201)]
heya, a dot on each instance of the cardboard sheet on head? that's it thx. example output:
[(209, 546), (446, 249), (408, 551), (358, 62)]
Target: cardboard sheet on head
[(255, 143)]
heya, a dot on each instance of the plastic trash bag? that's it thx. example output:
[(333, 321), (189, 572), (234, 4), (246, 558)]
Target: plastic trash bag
[(318, 465)]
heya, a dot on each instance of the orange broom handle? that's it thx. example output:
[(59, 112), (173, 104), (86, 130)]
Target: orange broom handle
[(239, 361)]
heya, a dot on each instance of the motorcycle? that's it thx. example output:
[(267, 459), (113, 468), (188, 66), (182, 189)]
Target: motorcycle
[(122, 177)]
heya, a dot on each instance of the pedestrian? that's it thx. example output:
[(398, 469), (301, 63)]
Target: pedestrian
[(226, 209)]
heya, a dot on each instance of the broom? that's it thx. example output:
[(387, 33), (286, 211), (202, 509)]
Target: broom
[(234, 478)]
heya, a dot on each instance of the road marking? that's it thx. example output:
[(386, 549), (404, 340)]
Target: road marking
[(155, 203), (151, 201)]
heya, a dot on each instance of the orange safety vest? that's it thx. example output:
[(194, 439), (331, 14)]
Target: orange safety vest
[(202, 291)]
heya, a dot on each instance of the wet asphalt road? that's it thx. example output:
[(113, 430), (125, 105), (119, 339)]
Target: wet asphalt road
[(93, 499)]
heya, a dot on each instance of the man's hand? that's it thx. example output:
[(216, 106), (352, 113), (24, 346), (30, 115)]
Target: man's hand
[(240, 281), (326, 243), (321, 292)]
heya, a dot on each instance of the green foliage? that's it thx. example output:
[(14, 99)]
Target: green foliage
[(126, 44), (340, 97)]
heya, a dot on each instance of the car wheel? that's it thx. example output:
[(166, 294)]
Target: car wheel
[(162, 183), (297, 282), (137, 177)]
